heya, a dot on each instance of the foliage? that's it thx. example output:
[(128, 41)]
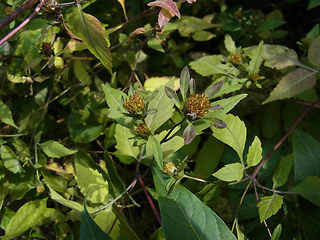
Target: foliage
[(160, 120)]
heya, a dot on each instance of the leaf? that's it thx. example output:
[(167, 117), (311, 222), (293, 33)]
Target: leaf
[(313, 4), (189, 134), (124, 140), (229, 44), (230, 172), (55, 150), (208, 65), (31, 214), (306, 152), (281, 173), (114, 97), (256, 59), (218, 123), (202, 36), (6, 115), (155, 44), (254, 155), (157, 153), (168, 5), (293, 83), (184, 216), (68, 203), (279, 57), (277, 232), (234, 134), (153, 83), (211, 91), (89, 229), (269, 206), (184, 82), (90, 30), (173, 96), (192, 86), (314, 52), (10, 160), (164, 110), (309, 188)]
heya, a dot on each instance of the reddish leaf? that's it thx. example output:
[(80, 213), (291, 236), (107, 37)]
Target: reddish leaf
[(168, 5)]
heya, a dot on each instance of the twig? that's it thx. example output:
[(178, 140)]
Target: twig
[(15, 14), (25, 22), (165, 139)]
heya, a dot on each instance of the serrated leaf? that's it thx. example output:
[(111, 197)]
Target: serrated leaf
[(293, 83), (189, 134), (279, 57), (309, 188), (90, 30), (89, 229), (31, 214), (306, 151), (314, 52), (192, 218), (229, 44), (269, 206), (208, 65), (10, 160), (164, 107), (6, 115), (114, 97), (230, 172), (254, 155), (184, 82), (157, 152), (55, 150), (281, 173), (173, 96), (68, 203), (234, 134), (276, 232), (256, 60), (125, 142), (212, 90)]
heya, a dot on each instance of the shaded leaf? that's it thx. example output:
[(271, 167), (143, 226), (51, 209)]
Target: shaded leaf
[(218, 123), (230, 172), (211, 91), (192, 86), (281, 173), (277, 232), (5, 115), (68, 203), (173, 96), (10, 160), (313, 4), (306, 151), (269, 206), (254, 155), (123, 5), (202, 36), (189, 134), (309, 188), (184, 216), (184, 82), (155, 44), (89, 229), (31, 214), (279, 57), (293, 83), (314, 52), (55, 150), (234, 134), (90, 30), (256, 59)]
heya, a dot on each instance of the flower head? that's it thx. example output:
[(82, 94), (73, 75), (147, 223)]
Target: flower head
[(170, 168), (197, 105), (134, 104), (143, 131)]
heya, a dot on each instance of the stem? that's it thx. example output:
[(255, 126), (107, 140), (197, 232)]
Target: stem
[(16, 14), (25, 22), (150, 200), (14, 135), (254, 174), (196, 179), (165, 139)]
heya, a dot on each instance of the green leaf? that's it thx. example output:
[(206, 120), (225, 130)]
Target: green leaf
[(189, 134), (208, 65), (309, 188), (279, 57), (230, 172), (281, 173), (229, 44), (55, 150), (68, 203), (184, 216), (164, 110), (293, 83), (269, 206), (89, 229), (314, 52), (31, 214), (254, 155), (313, 4), (256, 60), (89, 29), (125, 142), (202, 36), (184, 82), (114, 97), (157, 153), (6, 116), (10, 160), (306, 151), (277, 232), (234, 134), (155, 44)]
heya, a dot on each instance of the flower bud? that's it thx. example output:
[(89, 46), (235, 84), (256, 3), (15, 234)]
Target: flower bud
[(170, 169), (134, 104), (143, 131), (197, 105), (236, 58)]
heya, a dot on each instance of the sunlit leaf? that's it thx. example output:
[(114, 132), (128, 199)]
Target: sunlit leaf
[(56, 150), (256, 60), (276, 232), (114, 97), (279, 57), (254, 155), (168, 5), (89, 29), (184, 82), (173, 96), (230, 172), (314, 52), (269, 206), (293, 83), (125, 142), (309, 188), (10, 160), (156, 149), (155, 44), (229, 44)]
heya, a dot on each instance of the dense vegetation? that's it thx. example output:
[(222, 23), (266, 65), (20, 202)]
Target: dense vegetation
[(160, 120)]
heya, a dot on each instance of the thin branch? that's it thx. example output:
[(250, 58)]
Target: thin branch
[(25, 22), (16, 14), (165, 139)]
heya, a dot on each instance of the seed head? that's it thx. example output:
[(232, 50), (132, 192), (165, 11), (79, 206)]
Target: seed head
[(143, 131), (170, 169), (134, 104), (197, 105), (236, 58), (255, 77)]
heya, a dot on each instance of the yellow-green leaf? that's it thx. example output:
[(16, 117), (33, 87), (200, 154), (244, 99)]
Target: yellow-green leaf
[(230, 172)]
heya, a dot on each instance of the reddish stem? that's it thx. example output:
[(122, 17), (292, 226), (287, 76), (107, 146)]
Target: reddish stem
[(150, 200)]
